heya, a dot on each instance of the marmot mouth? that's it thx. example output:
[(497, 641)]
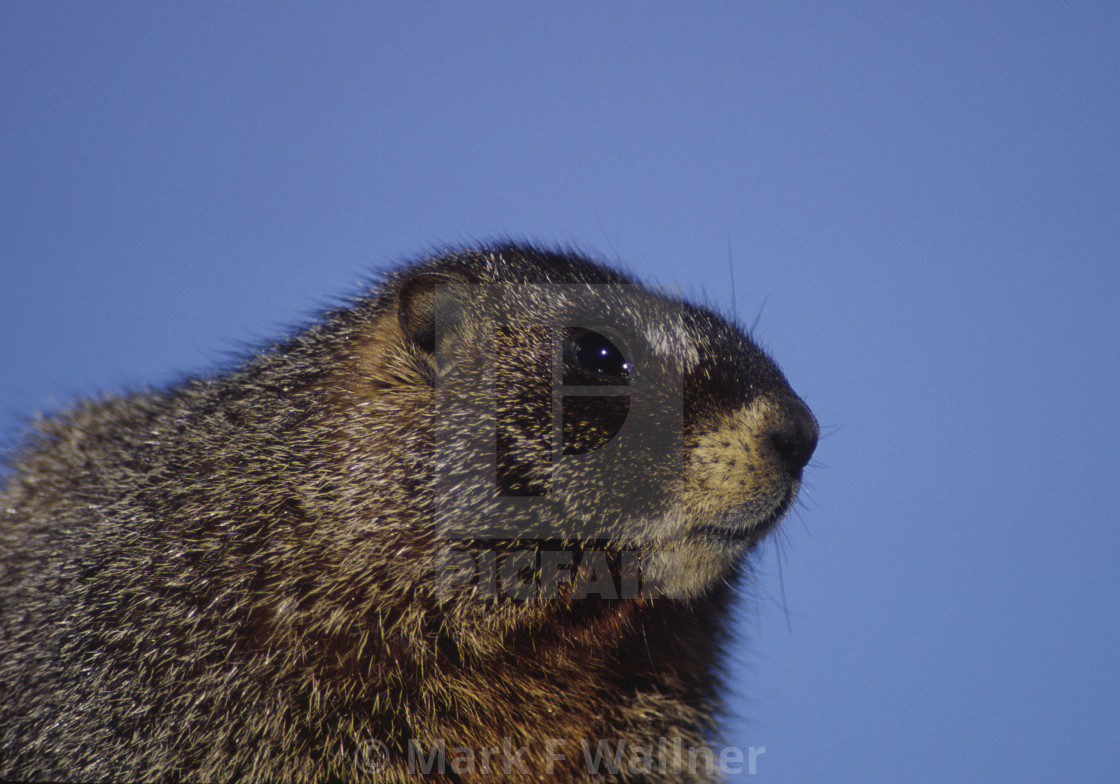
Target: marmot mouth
[(744, 533)]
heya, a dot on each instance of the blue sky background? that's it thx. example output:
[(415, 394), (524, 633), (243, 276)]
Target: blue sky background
[(921, 203)]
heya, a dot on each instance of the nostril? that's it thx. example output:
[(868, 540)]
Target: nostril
[(794, 437)]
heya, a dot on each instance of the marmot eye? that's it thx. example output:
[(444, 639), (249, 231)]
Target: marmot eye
[(590, 358)]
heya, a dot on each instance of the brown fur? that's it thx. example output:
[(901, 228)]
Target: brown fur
[(260, 574)]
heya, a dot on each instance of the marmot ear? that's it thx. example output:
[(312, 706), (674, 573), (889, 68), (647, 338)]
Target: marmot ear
[(422, 304)]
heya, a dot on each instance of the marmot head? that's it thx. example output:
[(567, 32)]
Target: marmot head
[(559, 403)]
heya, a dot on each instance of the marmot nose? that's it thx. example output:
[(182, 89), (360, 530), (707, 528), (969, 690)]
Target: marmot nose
[(794, 435)]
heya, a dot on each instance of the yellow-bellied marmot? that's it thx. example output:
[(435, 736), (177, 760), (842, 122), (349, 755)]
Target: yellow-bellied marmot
[(480, 522)]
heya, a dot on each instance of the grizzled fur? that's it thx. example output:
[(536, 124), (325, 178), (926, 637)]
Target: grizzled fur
[(280, 573)]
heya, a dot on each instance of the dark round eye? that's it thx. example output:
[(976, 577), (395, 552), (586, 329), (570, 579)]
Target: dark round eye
[(590, 358)]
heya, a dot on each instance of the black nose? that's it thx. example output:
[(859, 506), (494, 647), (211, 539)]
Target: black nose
[(794, 435)]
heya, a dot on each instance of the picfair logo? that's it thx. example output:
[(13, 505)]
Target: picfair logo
[(556, 415)]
